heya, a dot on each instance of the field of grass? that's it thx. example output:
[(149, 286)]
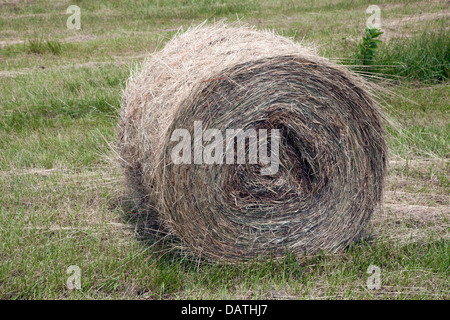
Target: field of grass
[(60, 191)]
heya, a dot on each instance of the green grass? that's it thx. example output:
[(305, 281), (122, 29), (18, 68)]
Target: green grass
[(52, 97), (422, 117), (39, 46), (61, 195), (424, 57)]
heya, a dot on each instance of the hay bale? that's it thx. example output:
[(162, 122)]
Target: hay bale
[(332, 150)]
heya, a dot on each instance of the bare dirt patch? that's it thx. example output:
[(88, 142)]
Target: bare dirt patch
[(5, 43), (419, 5), (417, 18), (6, 74), (10, 2), (393, 28)]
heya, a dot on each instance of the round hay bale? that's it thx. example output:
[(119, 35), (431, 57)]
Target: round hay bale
[(331, 146)]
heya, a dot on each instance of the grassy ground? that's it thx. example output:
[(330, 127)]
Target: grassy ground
[(60, 91)]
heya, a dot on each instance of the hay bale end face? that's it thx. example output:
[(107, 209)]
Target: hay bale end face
[(331, 150)]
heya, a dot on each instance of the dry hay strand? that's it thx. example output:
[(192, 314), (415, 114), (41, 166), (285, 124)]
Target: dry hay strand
[(332, 149)]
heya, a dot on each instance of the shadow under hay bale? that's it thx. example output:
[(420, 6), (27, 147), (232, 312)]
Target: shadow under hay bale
[(332, 151)]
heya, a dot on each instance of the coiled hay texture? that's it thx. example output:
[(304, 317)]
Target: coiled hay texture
[(332, 150)]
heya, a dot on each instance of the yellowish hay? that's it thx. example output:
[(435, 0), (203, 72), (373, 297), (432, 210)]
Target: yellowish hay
[(332, 151)]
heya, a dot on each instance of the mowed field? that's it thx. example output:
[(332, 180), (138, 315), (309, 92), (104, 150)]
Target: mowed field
[(61, 199)]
